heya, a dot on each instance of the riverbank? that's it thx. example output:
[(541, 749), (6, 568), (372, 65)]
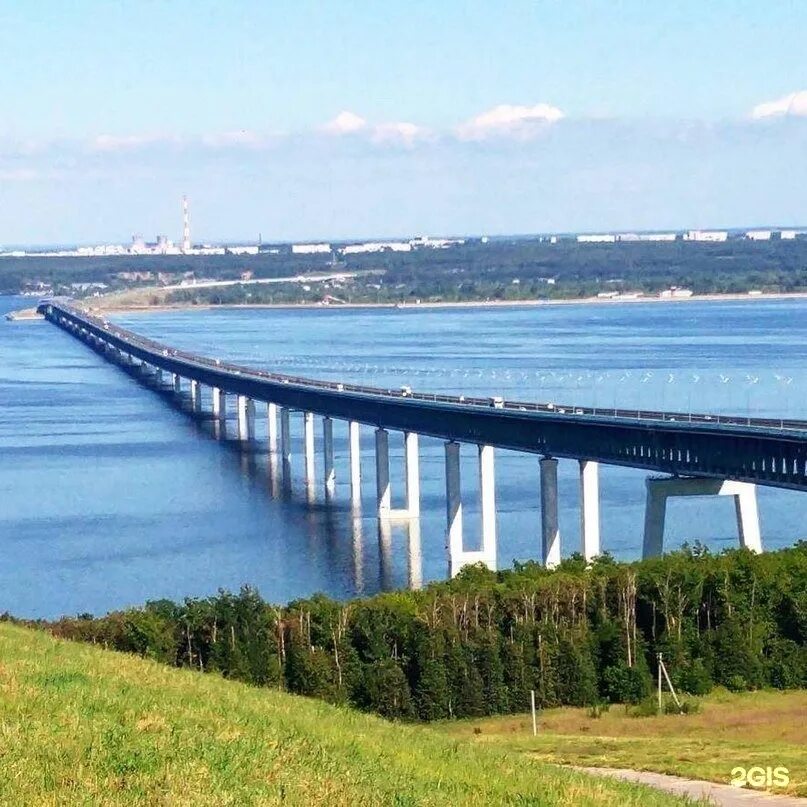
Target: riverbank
[(112, 306), (24, 315)]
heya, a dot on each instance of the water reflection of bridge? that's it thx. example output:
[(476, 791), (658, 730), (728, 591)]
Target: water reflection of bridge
[(697, 454)]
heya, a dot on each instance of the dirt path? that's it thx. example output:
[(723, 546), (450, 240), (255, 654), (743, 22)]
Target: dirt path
[(722, 795)]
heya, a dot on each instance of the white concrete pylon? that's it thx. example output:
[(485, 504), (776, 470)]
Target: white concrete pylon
[(747, 511), (285, 444), (354, 438), (327, 456), (412, 461), (383, 493), (550, 531), (271, 426), (454, 538), (176, 381), (308, 433), (487, 494), (196, 395), (219, 403), (246, 418), (589, 509), (659, 489)]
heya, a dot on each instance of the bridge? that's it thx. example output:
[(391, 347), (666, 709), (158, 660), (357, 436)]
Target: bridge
[(694, 454)]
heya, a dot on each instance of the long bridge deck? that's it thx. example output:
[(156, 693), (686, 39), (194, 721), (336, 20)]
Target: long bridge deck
[(761, 450), (696, 446)]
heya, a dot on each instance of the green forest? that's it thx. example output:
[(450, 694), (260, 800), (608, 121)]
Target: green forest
[(476, 645), (501, 269)]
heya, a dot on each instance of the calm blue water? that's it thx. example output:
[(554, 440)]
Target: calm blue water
[(111, 495)]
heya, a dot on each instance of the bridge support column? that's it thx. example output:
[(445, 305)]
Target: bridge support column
[(412, 460), (285, 444), (659, 489), (246, 418), (354, 435), (327, 456), (589, 509), (308, 432), (454, 540), (271, 426), (219, 403), (176, 380), (550, 532), (196, 403), (158, 377), (383, 495), (487, 494)]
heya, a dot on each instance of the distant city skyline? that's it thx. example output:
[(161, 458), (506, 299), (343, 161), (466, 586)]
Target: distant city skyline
[(307, 121)]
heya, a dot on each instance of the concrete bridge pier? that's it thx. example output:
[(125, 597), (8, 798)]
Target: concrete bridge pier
[(354, 439), (158, 377), (271, 426), (589, 509), (383, 493), (176, 382), (327, 457), (196, 395), (659, 489), (219, 403), (454, 539), (550, 530), (246, 418), (309, 448), (285, 445), (457, 554), (412, 461), (309, 456), (487, 494)]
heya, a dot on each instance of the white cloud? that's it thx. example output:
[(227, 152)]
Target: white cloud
[(402, 133), (112, 143), (509, 120), (20, 175), (345, 123), (795, 103), (238, 137)]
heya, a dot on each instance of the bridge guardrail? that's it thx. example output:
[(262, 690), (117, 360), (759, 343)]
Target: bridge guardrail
[(523, 406)]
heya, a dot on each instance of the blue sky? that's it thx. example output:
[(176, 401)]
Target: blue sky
[(349, 119)]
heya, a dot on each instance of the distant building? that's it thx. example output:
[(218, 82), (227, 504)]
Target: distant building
[(310, 249), (377, 246), (435, 243), (647, 237), (604, 238), (789, 235), (758, 235), (242, 250), (706, 235), (675, 293)]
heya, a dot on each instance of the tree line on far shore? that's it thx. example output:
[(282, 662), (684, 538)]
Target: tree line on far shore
[(478, 644)]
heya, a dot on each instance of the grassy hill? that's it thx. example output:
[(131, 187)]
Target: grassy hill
[(80, 725)]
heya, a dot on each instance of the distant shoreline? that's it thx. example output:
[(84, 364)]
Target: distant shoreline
[(91, 304), (712, 298)]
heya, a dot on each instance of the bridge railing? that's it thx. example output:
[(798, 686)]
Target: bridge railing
[(405, 392)]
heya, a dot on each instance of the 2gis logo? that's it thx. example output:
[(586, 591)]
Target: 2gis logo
[(760, 777)]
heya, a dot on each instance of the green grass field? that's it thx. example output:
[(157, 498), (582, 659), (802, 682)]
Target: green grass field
[(80, 725), (745, 729)]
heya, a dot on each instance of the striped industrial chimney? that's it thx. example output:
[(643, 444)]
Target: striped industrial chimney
[(186, 226)]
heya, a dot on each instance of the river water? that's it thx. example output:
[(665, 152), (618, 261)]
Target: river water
[(110, 495)]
